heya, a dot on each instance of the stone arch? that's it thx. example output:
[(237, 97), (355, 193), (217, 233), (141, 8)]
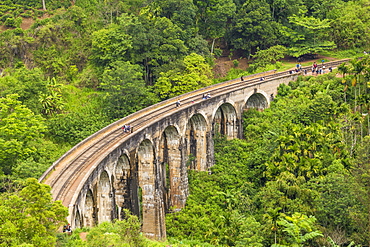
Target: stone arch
[(121, 185), (225, 121), (196, 142), (257, 99), (89, 209), (104, 196), (147, 187), (170, 159)]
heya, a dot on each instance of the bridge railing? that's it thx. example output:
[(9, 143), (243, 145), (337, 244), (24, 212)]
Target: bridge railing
[(89, 141)]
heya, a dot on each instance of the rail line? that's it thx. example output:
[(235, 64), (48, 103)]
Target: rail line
[(69, 172)]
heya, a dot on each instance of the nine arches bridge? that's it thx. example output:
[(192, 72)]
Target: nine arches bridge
[(146, 171)]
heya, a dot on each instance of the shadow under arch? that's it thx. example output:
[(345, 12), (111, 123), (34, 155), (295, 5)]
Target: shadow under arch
[(174, 175), (104, 198), (78, 220), (225, 121), (196, 142), (89, 210), (257, 100), (121, 184)]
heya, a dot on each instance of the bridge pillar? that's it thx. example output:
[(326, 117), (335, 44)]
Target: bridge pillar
[(104, 196), (150, 195), (171, 159), (122, 186)]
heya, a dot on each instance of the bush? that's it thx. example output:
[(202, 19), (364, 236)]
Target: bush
[(236, 63), (5, 17)]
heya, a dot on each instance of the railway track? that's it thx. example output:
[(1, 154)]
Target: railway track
[(67, 175)]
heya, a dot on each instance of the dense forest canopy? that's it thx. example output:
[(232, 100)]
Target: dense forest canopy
[(300, 177)]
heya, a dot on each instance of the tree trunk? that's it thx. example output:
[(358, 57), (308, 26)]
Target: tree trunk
[(213, 45), (43, 5)]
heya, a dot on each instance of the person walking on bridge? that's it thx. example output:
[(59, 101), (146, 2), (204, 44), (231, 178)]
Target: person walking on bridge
[(178, 103)]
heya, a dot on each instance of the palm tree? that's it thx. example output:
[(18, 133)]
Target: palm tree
[(357, 69)]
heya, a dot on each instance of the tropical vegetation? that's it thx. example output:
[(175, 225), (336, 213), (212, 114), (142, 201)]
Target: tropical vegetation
[(300, 176)]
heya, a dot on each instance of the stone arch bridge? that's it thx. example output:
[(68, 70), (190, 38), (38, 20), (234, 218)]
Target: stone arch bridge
[(146, 171)]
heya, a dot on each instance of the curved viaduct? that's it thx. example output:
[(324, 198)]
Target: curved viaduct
[(146, 171)]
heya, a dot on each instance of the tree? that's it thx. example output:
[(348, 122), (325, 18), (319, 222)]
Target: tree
[(334, 203), (125, 90), (195, 74), (111, 44), (156, 43), (29, 85), (282, 9), (361, 187), (213, 17), (349, 26), (30, 216), (181, 12), (254, 27), (307, 35), (262, 58), (19, 127), (52, 101)]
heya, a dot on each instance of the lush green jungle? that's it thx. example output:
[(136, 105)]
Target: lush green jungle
[(301, 175)]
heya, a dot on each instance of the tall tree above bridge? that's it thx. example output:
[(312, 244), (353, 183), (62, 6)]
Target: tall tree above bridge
[(195, 74), (307, 35), (125, 90), (156, 43), (254, 27), (212, 17)]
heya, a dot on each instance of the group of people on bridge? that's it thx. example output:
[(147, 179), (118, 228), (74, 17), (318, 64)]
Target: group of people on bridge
[(320, 70), (127, 128)]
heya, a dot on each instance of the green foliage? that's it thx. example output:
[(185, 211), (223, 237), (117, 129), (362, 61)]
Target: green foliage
[(309, 38), (122, 233), (254, 27), (156, 44), (212, 17), (19, 127), (125, 91), (300, 229), (74, 127), (119, 233), (52, 101), (348, 30), (195, 74), (262, 58), (30, 217), (110, 44), (28, 84), (335, 201)]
